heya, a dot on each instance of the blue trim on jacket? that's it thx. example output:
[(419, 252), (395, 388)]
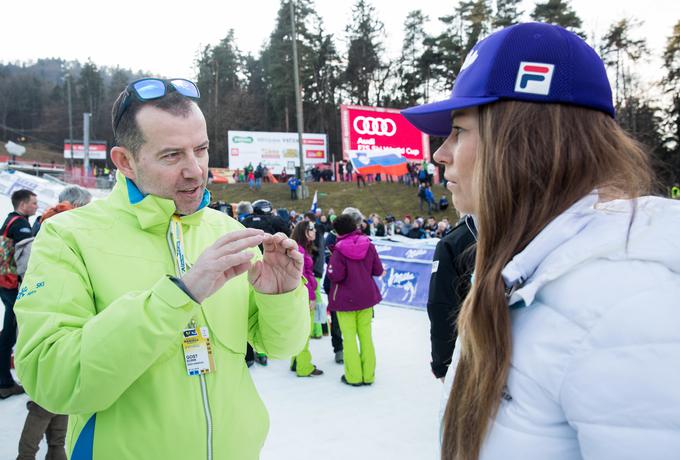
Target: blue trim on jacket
[(83, 449), (135, 195)]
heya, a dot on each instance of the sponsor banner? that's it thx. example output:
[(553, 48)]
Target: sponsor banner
[(408, 253), (276, 151), (405, 284), (408, 268), (377, 131), (97, 150)]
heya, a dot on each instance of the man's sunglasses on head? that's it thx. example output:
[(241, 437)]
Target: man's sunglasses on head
[(148, 89)]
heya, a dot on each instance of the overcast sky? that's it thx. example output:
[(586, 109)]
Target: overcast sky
[(163, 38)]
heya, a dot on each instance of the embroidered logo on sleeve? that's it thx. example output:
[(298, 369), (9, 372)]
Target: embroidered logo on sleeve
[(26, 291), (435, 266)]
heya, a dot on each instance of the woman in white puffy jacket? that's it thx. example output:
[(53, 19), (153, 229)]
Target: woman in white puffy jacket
[(569, 341)]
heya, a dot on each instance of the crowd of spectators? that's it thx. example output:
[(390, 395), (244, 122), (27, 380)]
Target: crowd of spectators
[(417, 173), (414, 227)]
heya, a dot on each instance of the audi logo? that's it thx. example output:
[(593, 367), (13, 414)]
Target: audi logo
[(375, 126)]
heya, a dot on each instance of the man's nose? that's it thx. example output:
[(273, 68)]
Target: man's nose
[(192, 167)]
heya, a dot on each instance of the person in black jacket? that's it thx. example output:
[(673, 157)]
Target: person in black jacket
[(25, 205), (262, 218), (452, 266)]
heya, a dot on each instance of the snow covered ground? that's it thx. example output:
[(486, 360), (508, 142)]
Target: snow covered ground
[(321, 418)]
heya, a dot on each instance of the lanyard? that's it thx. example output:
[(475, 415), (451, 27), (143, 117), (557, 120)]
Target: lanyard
[(176, 242), (176, 239)]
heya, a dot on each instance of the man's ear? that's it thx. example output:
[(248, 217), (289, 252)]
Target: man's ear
[(124, 161)]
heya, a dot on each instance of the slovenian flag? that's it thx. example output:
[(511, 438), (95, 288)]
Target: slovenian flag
[(314, 202), (374, 163)]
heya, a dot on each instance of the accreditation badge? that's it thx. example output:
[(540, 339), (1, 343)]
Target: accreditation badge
[(198, 355)]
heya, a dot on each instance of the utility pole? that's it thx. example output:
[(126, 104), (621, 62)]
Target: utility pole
[(298, 96), (70, 121), (86, 143)]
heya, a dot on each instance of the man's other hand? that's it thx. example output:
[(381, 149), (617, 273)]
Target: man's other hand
[(280, 270), (222, 261)]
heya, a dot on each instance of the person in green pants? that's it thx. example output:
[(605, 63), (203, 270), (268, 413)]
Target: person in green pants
[(304, 234), (353, 264)]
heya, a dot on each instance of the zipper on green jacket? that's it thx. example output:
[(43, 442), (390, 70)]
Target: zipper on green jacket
[(208, 416), (204, 389)]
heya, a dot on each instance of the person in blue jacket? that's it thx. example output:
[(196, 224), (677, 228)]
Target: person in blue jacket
[(293, 184)]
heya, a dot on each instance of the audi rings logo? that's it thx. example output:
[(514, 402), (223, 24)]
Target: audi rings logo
[(375, 126)]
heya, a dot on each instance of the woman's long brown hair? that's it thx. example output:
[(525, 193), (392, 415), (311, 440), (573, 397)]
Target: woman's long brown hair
[(533, 162)]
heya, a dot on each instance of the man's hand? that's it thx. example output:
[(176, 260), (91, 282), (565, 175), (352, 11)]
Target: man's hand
[(280, 270), (222, 261)]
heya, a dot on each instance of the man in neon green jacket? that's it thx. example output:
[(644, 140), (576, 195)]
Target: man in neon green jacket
[(116, 290)]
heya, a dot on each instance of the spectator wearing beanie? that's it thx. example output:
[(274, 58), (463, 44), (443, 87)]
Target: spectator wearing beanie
[(353, 264)]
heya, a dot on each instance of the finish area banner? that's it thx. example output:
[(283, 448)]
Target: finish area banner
[(377, 132)]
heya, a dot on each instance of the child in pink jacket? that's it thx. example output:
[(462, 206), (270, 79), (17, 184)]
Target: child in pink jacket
[(353, 264)]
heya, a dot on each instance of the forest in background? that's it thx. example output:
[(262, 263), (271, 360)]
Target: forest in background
[(255, 92)]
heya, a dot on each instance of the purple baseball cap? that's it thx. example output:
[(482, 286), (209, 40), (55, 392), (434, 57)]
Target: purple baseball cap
[(533, 62)]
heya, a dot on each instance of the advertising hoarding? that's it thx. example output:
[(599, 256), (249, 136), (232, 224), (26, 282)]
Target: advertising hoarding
[(275, 150), (408, 268), (377, 132), (97, 150)]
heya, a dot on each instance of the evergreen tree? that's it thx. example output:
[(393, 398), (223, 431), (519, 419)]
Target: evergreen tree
[(256, 94), (620, 52), (320, 107), (90, 91), (365, 74), (558, 12), (220, 74), (671, 85), (412, 75), (506, 14), (445, 53), (476, 22), (277, 61)]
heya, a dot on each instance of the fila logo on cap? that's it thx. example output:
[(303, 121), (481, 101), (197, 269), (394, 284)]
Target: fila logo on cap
[(534, 78)]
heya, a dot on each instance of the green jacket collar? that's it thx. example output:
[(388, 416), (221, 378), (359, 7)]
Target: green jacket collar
[(151, 210)]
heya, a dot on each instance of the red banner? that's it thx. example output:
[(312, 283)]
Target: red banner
[(377, 130), (97, 150)]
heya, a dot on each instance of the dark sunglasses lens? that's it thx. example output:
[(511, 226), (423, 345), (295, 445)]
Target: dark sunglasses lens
[(149, 89), (185, 88)]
